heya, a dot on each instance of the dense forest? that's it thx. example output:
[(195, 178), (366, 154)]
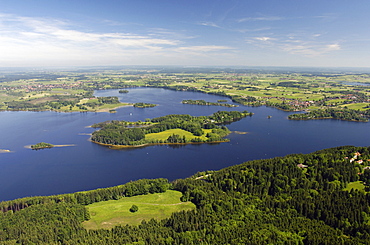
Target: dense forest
[(125, 133), (331, 113), (297, 199)]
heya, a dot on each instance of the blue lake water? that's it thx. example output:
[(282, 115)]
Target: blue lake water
[(355, 83), (85, 166)]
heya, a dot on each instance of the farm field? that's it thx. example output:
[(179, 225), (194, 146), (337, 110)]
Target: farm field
[(73, 91), (108, 214)]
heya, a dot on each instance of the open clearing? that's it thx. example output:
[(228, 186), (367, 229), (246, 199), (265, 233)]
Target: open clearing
[(357, 185), (108, 214), (165, 134)]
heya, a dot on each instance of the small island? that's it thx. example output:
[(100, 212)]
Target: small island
[(124, 91), (144, 105), (203, 102), (41, 145), (4, 151), (170, 129)]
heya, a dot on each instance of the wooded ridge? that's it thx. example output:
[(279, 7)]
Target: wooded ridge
[(296, 199)]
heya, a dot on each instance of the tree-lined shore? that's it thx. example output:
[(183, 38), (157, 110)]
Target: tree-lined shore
[(316, 198)]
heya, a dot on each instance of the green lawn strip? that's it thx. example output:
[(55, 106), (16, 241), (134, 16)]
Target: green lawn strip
[(111, 106), (97, 108), (313, 107), (165, 134), (357, 185), (275, 100), (356, 106), (339, 101), (107, 214)]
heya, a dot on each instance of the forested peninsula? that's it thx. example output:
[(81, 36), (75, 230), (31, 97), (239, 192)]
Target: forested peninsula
[(340, 114), (170, 129), (203, 102), (317, 198)]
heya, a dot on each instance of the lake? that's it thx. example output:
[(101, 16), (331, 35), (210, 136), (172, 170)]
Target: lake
[(354, 83), (86, 166)]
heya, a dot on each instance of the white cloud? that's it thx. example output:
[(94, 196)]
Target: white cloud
[(263, 18), (310, 49), (212, 24), (264, 39), (28, 41), (303, 44), (333, 47), (43, 40), (141, 42), (209, 48), (253, 30), (328, 17), (76, 36)]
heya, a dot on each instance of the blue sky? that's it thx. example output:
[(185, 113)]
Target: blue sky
[(329, 33)]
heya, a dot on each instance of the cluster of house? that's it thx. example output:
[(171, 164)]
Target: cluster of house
[(42, 87), (356, 157), (301, 165), (298, 103), (349, 98), (292, 102)]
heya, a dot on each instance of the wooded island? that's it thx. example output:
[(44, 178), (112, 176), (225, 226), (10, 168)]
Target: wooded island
[(41, 145), (144, 105), (170, 129)]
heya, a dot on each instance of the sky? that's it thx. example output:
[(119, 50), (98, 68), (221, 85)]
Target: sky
[(308, 33)]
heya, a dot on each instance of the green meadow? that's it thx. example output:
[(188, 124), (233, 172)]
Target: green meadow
[(107, 214), (357, 106), (165, 134), (357, 185)]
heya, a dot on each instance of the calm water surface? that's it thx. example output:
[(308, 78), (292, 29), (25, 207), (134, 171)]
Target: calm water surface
[(85, 166)]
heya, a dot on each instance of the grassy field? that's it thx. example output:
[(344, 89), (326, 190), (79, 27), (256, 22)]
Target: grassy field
[(274, 88), (108, 214), (165, 134), (357, 106), (357, 185)]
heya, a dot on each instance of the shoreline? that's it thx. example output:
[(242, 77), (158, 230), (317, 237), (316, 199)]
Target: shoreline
[(325, 118), (107, 109), (239, 132), (64, 145), (29, 147), (64, 111), (5, 151), (116, 147)]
